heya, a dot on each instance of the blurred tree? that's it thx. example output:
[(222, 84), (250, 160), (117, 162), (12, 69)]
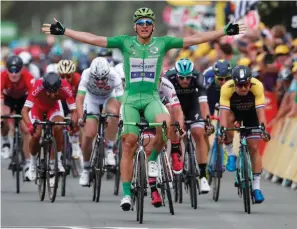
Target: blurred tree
[(103, 17)]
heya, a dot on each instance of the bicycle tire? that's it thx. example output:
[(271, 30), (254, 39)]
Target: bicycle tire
[(218, 174), (16, 154), (41, 172), (166, 180), (92, 176), (117, 179), (99, 170), (193, 180), (246, 185), (65, 153), (52, 192), (141, 182), (178, 188)]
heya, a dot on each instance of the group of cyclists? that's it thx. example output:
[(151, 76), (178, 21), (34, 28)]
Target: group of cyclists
[(136, 89)]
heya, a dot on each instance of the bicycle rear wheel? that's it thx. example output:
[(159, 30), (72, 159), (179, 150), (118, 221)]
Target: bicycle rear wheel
[(99, 169), (166, 180), (41, 172), (246, 182), (141, 185), (118, 153), (53, 171)]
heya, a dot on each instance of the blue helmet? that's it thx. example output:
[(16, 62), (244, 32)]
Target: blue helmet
[(184, 67), (222, 68)]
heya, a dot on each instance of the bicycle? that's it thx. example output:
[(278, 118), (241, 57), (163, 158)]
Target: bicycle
[(97, 157), (216, 164), (244, 172), (191, 169), (139, 179), (44, 171), (17, 152)]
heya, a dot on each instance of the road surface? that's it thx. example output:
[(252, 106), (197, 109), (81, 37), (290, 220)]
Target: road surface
[(76, 210)]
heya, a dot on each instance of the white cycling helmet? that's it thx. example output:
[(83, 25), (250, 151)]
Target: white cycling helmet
[(99, 68), (120, 70), (52, 68), (26, 57), (66, 67)]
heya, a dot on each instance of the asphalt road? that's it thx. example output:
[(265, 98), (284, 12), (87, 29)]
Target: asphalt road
[(77, 210)]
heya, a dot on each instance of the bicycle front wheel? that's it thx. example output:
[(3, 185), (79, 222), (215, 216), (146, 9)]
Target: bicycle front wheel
[(41, 172), (99, 169), (16, 156), (218, 172), (167, 179), (193, 179), (141, 185), (64, 162), (53, 171), (246, 182), (118, 152)]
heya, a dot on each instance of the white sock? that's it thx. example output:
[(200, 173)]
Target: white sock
[(229, 149), (59, 156), (5, 139), (256, 181), (33, 159), (86, 165)]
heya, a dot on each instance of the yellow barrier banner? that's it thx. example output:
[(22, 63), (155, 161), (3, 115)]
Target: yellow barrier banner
[(270, 151), (286, 152), (280, 156)]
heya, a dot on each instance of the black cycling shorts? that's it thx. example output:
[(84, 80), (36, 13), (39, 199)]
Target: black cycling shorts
[(249, 117), (15, 104)]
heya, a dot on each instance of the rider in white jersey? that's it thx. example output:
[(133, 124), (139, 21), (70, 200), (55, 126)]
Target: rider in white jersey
[(99, 85)]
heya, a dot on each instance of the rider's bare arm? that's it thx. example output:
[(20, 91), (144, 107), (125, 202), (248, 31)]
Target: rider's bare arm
[(85, 37), (25, 115), (261, 115), (203, 37), (79, 104), (204, 109)]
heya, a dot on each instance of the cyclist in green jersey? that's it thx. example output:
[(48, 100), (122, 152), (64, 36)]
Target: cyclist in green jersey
[(143, 55)]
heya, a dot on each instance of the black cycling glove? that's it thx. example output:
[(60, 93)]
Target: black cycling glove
[(57, 29), (231, 29)]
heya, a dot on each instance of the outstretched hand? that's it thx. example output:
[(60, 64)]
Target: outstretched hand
[(235, 28), (55, 29)]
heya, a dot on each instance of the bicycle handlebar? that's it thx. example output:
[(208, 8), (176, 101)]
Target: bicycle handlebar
[(102, 115), (15, 116)]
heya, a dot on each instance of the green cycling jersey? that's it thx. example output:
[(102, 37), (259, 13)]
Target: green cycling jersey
[(143, 63), (142, 67)]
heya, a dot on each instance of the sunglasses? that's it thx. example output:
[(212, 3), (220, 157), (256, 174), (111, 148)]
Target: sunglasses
[(241, 85), (219, 78), (101, 78), (184, 77), (14, 70), (67, 76), (143, 22)]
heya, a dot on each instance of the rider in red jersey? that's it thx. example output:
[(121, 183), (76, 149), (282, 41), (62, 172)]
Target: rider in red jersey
[(16, 82), (45, 98), (66, 69)]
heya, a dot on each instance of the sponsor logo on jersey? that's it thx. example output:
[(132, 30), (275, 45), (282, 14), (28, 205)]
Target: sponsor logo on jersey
[(154, 50), (67, 90), (37, 90)]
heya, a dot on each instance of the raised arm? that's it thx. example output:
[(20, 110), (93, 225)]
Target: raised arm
[(89, 38), (198, 38)]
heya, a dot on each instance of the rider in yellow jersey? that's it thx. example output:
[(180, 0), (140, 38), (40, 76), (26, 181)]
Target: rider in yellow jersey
[(242, 99)]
